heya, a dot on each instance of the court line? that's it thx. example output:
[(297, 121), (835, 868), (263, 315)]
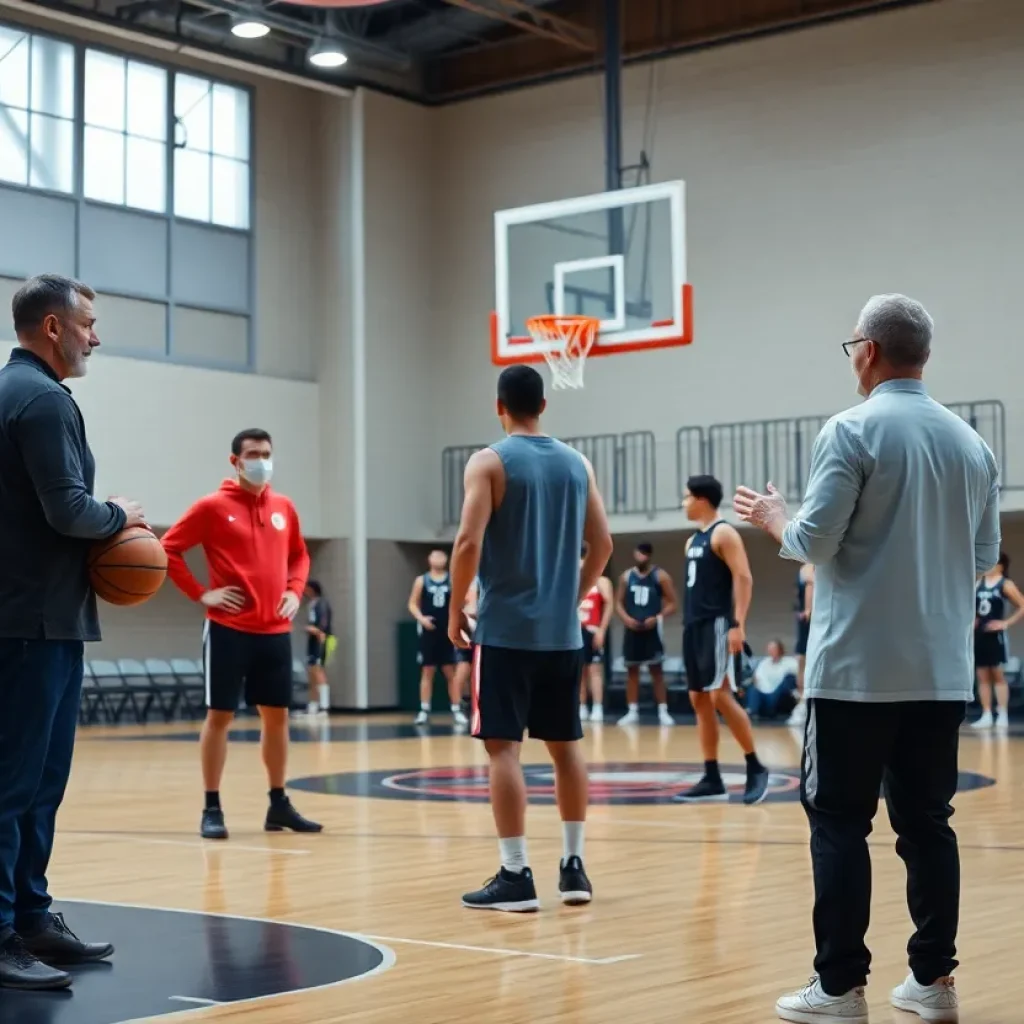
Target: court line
[(591, 838), (386, 953), (195, 1000), (594, 961), (191, 844)]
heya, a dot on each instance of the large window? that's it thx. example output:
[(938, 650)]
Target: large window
[(37, 109), (134, 177), (211, 158), (125, 143)]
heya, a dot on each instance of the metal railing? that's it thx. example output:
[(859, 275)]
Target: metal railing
[(752, 452), (624, 467)]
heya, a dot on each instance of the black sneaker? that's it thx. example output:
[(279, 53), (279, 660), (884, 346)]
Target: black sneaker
[(56, 943), (757, 786), (573, 884), (281, 816), (20, 969), (506, 891), (213, 826), (708, 790)]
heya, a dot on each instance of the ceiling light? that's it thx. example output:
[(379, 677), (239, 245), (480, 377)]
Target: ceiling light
[(326, 53), (249, 26)]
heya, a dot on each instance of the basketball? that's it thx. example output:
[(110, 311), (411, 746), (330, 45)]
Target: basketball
[(129, 567)]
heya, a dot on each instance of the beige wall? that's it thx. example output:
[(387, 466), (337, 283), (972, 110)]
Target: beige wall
[(404, 399), (877, 154)]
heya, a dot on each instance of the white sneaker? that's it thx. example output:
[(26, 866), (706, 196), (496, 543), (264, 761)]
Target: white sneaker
[(985, 722), (799, 716), (812, 1005), (422, 718), (459, 719), (936, 1002), (597, 714), (1002, 720), (631, 717), (584, 713), (664, 718)]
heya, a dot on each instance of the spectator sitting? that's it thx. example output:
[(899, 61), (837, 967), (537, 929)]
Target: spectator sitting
[(774, 680)]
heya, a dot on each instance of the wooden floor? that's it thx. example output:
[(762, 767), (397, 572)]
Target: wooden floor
[(701, 914)]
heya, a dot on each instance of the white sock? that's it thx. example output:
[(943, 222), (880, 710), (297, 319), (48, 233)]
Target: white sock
[(456, 707), (513, 854), (662, 707), (425, 705), (311, 707), (597, 707), (325, 697), (634, 707), (572, 839)]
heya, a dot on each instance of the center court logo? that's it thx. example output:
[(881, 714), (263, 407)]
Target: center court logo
[(616, 782)]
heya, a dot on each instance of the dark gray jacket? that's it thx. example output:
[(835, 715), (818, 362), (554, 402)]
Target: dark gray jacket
[(48, 517)]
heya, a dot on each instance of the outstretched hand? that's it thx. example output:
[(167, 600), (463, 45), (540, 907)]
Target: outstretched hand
[(765, 511)]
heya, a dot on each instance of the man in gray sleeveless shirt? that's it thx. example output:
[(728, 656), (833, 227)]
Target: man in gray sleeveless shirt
[(530, 504)]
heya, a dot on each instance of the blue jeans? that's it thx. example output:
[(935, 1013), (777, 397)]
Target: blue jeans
[(766, 705), (40, 691)]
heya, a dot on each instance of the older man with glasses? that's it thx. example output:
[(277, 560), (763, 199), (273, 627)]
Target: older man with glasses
[(900, 518)]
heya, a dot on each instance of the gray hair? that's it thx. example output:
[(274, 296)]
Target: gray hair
[(900, 327), (40, 296)]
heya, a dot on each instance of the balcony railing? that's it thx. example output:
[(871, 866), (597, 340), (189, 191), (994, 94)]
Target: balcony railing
[(624, 467), (753, 452)]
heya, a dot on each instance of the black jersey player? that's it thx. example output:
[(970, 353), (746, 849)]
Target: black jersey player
[(644, 596), (995, 594), (717, 593), (428, 605)]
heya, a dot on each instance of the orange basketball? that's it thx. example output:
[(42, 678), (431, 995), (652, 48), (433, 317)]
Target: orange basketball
[(129, 567)]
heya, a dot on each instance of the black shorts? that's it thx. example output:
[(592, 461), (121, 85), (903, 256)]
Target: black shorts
[(803, 630), (706, 656), (590, 656), (464, 656), (517, 691), (436, 649), (989, 649), (643, 647), (256, 664), (316, 652)]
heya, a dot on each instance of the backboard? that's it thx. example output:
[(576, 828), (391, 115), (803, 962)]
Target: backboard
[(619, 256)]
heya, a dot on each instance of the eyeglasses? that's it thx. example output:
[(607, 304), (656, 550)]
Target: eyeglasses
[(853, 341)]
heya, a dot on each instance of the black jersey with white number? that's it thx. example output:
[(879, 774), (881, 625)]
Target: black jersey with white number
[(708, 580), (643, 594), (435, 597), (989, 602)]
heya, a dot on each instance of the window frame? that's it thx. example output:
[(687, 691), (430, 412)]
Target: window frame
[(30, 111), (78, 198)]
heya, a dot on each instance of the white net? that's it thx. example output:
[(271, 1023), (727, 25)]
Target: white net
[(566, 342)]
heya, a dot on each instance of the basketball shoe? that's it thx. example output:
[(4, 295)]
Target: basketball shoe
[(813, 1005), (508, 891), (573, 884), (936, 1002)]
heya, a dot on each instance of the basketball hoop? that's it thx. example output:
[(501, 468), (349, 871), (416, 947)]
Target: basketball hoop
[(565, 342)]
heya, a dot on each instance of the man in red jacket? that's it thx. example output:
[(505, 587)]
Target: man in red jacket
[(258, 565)]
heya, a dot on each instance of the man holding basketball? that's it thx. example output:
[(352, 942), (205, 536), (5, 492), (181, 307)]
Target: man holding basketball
[(258, 566), (47, 610)]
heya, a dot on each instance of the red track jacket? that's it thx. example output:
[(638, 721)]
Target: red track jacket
[(252, 542)]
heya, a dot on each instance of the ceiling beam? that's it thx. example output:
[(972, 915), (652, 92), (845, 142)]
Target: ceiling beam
[(533, 20)]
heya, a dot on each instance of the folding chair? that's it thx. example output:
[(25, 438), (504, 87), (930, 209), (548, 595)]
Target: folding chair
[(192, 683), (116, 695), (92, 699), (139, 683), (169, 692)]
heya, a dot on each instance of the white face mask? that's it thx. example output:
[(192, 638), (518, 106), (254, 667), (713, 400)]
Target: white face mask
[(257, 471)]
